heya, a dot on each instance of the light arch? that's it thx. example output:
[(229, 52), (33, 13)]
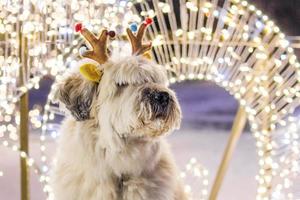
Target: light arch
[(234, 45)]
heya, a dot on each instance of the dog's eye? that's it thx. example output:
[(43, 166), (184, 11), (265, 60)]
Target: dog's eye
[(121, 85)]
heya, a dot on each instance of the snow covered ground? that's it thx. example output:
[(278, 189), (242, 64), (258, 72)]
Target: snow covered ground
[(205, 145)]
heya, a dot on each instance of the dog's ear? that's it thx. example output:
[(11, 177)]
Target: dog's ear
[(77, 94)]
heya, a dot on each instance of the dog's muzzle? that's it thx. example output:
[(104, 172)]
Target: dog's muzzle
[(160, 98), (160, 102)]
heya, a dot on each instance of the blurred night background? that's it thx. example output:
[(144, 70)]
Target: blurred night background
[(211, 106), (208, 113)]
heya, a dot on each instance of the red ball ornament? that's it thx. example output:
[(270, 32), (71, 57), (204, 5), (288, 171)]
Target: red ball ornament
[(78, 27), (111, 34), (148, 21)]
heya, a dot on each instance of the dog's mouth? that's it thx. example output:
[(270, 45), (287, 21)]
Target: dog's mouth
[(157, 111), (156, 119), (159, 103), (160, 111)]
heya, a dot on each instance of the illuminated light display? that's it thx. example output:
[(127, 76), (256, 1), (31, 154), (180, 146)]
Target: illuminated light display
[(233, 45)]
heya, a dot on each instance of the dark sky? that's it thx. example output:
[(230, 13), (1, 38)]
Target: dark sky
[(285, 13)]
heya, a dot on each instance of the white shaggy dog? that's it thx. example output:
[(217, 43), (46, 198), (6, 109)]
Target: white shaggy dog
[(112, 147)]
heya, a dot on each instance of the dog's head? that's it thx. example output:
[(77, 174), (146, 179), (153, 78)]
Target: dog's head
[(131, 98), (134, 99)]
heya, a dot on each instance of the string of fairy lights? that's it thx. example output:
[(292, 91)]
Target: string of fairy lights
[(42, 26), (200, 174), (12, 17), (48, 59), (232, 44)]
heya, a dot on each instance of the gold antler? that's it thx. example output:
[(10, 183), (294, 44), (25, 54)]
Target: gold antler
[(99, 45), (138, 47)]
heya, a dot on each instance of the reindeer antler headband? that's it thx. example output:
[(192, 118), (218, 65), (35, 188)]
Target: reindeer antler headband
[(99, 52), (138, 48)]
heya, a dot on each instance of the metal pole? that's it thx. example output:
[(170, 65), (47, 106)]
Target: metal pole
[(24, 146), (237, 129), (23, 117)]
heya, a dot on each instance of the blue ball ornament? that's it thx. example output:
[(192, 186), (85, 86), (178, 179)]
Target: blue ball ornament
[(133, 27)]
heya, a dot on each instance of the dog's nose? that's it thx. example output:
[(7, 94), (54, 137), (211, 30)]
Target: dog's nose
[(161, 98)]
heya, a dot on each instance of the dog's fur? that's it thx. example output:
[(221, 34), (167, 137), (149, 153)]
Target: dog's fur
[(112, 148)]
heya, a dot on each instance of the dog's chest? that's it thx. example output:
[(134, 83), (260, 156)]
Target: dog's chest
[(133, 159)]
